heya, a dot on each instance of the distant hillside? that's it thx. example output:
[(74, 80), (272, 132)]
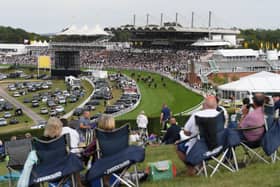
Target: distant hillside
[(12, 35)]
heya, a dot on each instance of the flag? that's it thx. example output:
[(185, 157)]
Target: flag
[(44, 62)]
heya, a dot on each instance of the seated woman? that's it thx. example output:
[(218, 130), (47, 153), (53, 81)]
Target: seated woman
[(107, 123), (54, 129)]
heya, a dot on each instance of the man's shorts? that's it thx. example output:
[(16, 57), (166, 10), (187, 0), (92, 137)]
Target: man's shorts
[(182, 147)]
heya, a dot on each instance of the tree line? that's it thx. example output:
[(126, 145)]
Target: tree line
[(16, 35)]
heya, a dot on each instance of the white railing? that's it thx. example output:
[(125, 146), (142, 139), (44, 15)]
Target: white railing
[(69, 114), (131, 108)]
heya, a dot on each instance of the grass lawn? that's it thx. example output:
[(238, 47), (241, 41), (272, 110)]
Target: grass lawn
[(255, 174), (174, 95)]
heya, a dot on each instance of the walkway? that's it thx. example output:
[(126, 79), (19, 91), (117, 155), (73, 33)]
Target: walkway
[(29, 112)]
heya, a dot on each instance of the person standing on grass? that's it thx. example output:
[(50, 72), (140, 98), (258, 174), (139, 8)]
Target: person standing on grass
[(165, 115)]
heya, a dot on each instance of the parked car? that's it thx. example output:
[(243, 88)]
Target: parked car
[(44, 110), (39, 125), (3, 122), (112, 109), (61, 100), (7, 115), (51, 103), (59, 109), (13, 121), (26, 100), (52, 113), (78, 112), (73, 99), (35, 104), (16, 94)]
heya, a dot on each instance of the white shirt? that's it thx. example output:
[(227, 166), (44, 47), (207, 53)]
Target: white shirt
[(193, 128), (142, 121), (74, 138)]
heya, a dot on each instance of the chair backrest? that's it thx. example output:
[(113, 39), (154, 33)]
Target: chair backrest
[(52, 149), (269, 110), (209, 127), (111, 142), (18, 151)]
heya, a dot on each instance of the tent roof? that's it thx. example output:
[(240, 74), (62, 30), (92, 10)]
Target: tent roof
[(236, 52), (84, 31), (259, 82)]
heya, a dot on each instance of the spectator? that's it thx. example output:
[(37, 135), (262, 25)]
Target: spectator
[(74, 136), (165, 116), (254, 119), (106, 123), (173, 132), (85, 120), (53, 129), (222, 109), (142, 122), (191, 129), (28, 135), (13, 138)]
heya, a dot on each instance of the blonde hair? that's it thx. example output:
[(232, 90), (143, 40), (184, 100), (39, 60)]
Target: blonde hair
[(106, 123), (53, 128)]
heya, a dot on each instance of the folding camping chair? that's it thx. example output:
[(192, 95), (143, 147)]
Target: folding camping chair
[(250, 148), (212, 143), (55, 162), (17, 151), (115, 156)]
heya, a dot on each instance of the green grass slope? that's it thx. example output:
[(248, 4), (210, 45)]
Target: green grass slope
[(174, 95)]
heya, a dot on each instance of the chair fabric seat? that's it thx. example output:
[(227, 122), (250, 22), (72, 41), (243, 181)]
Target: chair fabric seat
[(271, 139), (226, 139), (59, 167), (116, 162)]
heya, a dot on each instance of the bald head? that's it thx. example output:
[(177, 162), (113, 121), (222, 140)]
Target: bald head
[(210, 102)]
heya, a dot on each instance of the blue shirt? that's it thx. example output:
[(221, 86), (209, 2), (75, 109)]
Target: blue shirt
[(166, 113)]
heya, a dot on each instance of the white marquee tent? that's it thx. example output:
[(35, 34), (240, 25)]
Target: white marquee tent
[(265, 82)]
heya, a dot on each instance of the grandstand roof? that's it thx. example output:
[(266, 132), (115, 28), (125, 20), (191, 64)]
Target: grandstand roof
[(84, 31), (236, 52), (176, 28), (260, 82)]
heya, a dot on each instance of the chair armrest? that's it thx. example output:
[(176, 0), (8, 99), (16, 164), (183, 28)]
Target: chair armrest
[(186, 140)]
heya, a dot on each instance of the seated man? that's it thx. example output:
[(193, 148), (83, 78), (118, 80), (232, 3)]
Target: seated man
[(173, 132), (191, 129), (254, 119)]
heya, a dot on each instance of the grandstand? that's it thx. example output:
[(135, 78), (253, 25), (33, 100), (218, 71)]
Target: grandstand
[(175, 36)]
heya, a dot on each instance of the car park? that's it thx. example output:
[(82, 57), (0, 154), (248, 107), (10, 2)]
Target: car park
[(3, 122)]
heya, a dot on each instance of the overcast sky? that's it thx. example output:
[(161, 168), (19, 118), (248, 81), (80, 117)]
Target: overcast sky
[(48, 16)]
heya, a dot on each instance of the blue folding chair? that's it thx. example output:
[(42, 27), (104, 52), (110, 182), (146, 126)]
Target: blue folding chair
[(115, 156), (17, 152), (55, 162), (213, 144)]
